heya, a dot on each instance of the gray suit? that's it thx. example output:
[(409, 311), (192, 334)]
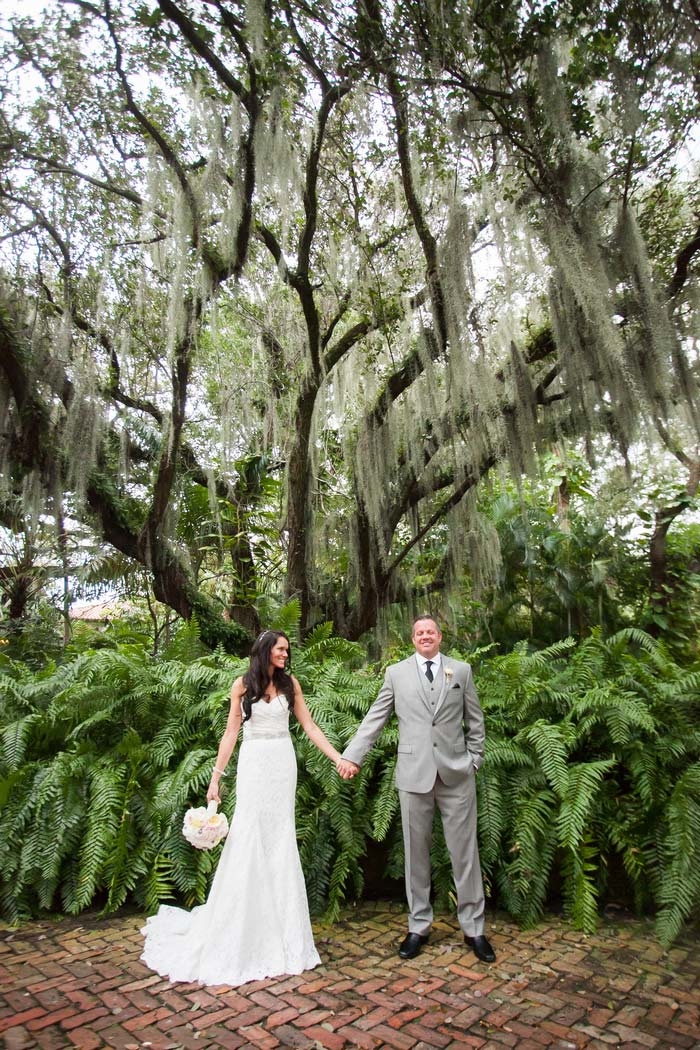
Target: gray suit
[(436, 763)]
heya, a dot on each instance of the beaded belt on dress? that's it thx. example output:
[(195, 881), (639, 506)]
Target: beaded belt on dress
[(265, 734)]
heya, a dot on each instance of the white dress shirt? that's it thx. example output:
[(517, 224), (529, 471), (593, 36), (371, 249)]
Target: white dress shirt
[(434, 663)]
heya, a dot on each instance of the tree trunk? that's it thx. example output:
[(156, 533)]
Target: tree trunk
[(662, 584), (299, 481)]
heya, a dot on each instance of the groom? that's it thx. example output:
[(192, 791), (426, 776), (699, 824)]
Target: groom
[(441, 746)]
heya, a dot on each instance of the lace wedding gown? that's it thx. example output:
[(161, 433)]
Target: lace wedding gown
[(255, 922)]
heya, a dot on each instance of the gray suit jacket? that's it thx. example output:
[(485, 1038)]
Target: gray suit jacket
[(447, 738)]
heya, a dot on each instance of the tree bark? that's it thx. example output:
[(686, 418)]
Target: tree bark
[(662, 583)]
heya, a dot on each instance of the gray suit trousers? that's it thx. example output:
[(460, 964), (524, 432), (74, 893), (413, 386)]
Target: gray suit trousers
[(457, 806)]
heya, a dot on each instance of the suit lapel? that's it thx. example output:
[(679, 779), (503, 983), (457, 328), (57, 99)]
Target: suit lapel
[(444, 684), (422, 684)]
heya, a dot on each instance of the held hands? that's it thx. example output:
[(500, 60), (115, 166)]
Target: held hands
[(347, 770)]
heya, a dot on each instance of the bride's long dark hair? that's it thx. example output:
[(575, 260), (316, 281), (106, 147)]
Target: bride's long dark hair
[(257, 678)]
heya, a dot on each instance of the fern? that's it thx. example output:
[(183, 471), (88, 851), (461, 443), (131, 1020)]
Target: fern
[(579, 871), (105, 807), (680, 884), (492, 818), (621, 712), (583, 784), (524, 877), (592, 753), (287, 619), (385, 806), (15, 739), (552, 744)]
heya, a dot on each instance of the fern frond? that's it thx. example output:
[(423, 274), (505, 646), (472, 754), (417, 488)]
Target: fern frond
[(502, 753), (583, 785), (105, 809), (624, 639), (523, 879), (552, 744), (622, 712), (679, 895), (385, 806), (579, 871), (15, 737), (492, 820), (287, 619)]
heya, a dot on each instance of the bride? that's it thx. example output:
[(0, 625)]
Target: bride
[(255, 922)]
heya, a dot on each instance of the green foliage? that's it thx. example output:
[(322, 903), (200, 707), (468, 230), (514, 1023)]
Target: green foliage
[(592, 771), (592, 764), (574, 548), (679, 892), (38, 639), (567, 561), (335, 817), (100, 757)]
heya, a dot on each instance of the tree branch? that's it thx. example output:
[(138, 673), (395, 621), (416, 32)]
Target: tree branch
[(683, 261), (152, 131), (189, 32)]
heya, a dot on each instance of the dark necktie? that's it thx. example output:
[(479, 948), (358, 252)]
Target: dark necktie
[(429, 670)]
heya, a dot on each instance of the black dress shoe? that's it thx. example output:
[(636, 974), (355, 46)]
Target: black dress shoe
[(411, 945), (481, 948)]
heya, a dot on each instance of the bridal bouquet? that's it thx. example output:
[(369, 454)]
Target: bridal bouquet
[(203, 827)]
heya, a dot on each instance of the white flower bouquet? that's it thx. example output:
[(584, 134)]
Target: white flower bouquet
[(203, 827)]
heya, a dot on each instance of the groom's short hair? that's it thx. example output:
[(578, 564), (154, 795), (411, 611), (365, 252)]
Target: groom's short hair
[(424, 616)]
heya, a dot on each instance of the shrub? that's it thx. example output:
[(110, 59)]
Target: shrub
[(593, 754)]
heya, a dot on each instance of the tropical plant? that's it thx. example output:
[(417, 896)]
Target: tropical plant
[(592, 775), (99, 758), (593, 757)]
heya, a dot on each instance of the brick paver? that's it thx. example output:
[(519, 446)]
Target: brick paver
[(79, 983)]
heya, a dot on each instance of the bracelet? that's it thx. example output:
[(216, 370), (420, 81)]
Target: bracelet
[(221, 772)]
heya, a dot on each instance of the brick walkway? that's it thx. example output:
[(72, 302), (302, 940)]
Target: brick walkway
[(79, 982)]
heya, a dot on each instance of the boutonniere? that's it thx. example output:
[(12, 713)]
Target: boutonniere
[(448, 673)]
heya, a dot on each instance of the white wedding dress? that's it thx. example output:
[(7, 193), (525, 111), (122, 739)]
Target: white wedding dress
[(255, 922)]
